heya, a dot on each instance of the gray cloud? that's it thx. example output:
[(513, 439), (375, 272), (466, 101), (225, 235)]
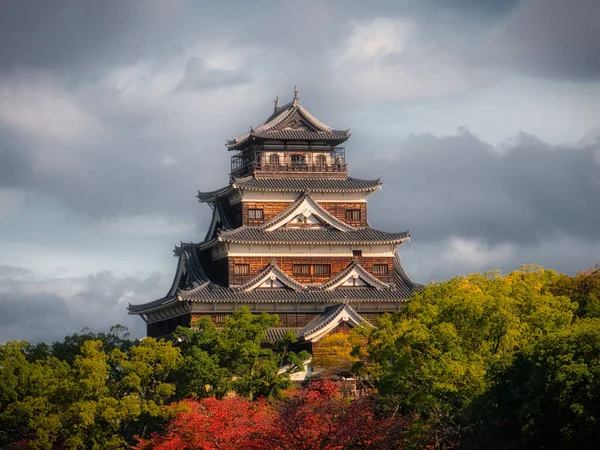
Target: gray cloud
[(118, 113), (47, 310), (549, 38), (199, 76), (459, 186)]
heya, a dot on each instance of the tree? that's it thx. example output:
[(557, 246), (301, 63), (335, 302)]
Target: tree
[(229, 424), (547, 395), (583, 288), (432, 357), (235, 358)]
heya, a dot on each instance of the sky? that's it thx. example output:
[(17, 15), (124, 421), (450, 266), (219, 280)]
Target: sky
[(482, 117)]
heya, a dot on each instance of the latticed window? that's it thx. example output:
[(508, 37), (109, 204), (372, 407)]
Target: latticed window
[(321, 160), (274, 159), (301, 269), (255, 214), (357, 253), (322, 269), (241, 269), (307, 270), (353, 214), (380, 269)]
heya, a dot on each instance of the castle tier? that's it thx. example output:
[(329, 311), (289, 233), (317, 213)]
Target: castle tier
[(289, 236)]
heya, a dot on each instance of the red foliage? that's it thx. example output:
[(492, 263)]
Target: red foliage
[(316, 418), (321, 418), (229, 424)]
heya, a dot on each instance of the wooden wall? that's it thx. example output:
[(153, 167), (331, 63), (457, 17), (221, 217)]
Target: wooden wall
[(271, 209), (259, 263), (338, 210)]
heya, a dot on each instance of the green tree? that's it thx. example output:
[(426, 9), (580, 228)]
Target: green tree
[(235, 357), (548, 395), (583, 288), (432, 357)]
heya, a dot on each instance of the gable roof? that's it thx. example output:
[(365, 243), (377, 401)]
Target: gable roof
[(272, 271), (326, 322), (290, 122), (354, 270), (305, 205)]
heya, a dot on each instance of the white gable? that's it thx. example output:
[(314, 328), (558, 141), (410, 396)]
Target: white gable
[(307, 213)]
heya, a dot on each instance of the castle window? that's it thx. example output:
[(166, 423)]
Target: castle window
[(306, 270), (322, 269), (380, 269), (274, 159), (241, 269), (353, 214), (301, 269), (357, 253), (255, 214)]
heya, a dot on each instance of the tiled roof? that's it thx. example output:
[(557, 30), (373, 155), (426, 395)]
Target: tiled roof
[(312, 236), (329, 316), (278, 333), (303, 135), (402, 288), (250, 183), (348, 184), (283, 125)]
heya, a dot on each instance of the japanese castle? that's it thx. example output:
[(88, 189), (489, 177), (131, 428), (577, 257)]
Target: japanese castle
[(289, 236)]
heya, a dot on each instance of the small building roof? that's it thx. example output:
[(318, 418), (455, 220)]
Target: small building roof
[(290, 122)]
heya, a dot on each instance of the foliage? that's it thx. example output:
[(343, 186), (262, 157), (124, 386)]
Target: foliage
[(314, 418), (549, 395), (432, 357), (98, 401), (210, 424), (235, 358), (584, 289), (335, 354), (483, 361)]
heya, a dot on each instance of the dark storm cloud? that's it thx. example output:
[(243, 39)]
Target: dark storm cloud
[(48, 310), (71, 34), (550, 38), (458, 186)]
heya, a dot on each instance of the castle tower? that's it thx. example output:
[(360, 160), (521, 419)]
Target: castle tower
[(289, 236)]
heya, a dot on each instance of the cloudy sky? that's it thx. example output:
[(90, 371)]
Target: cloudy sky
[(481, 117)]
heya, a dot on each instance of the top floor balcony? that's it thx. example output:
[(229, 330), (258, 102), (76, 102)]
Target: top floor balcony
[(300, 161)]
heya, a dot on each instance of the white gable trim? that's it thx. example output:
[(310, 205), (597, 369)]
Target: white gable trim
[(356, 272), (308, 208), (343, 314)]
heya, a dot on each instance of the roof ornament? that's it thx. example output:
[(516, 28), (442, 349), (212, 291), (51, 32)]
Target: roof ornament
[(296, 95), (276, 103)]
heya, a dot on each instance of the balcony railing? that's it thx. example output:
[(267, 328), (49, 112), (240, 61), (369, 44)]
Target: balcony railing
[(266, 159)]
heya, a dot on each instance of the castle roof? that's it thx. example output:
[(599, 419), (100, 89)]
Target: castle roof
[(250, 183), (197, 287), (290, 122)]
